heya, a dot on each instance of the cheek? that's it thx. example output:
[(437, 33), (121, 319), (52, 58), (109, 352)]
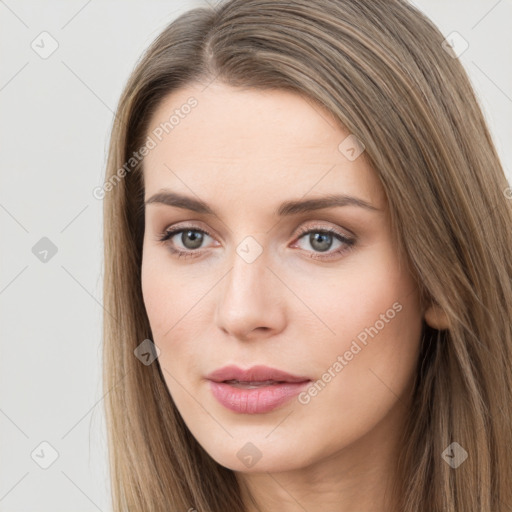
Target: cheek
[(167, 293), (165, 296), (374, 317), (355, 295), (366, 368), (164, 310), (174, 306), (153, 285)]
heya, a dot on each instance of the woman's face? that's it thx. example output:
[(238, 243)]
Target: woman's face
[(261, 282)]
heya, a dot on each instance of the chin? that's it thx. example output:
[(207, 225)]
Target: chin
[(253, 454)]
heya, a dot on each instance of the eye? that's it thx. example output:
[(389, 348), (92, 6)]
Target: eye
[(191, 238), (320, 239)]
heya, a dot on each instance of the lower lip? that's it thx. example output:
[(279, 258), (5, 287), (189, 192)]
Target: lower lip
[(255, 400)]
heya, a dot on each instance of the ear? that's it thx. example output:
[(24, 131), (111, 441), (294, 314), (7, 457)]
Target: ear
[(436, 317)]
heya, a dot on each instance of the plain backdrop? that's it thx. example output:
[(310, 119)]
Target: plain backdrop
[(56, 113)]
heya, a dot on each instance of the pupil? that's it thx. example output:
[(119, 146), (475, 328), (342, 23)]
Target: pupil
[(196, 238), (322, 237)]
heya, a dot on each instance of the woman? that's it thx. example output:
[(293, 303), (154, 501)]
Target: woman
[(307, 232)]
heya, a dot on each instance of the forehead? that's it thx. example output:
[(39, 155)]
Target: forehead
[(254, 143)]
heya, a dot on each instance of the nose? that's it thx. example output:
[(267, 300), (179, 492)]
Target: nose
[(251, 300)]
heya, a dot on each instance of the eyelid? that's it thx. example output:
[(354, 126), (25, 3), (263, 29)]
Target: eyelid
[(304, 228), (348, 240), (308, 227)]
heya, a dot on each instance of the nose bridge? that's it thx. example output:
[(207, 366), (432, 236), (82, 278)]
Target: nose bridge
[(248, 277), (247, 300)]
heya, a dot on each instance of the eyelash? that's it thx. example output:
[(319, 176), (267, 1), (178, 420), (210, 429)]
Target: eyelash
[(170, 233)]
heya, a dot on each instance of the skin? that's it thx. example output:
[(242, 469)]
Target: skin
[(244, 152)]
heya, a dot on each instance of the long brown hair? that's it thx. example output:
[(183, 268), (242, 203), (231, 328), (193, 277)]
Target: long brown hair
[(381, 70)]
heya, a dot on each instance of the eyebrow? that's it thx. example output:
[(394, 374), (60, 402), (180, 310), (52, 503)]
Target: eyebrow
[(287, 208)]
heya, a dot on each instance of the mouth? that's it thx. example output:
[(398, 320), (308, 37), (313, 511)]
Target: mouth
[(255, 375), (253, 384), (257, 390)]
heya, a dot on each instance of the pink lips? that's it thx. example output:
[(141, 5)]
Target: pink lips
[(256, 390)]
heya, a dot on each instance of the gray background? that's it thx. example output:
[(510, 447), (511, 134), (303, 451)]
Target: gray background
[(56, 114)]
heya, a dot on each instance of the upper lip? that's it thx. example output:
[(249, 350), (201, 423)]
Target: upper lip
[(258, 373)]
